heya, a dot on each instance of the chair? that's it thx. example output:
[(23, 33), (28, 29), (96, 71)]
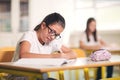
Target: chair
[(80, 52), (6, 54), (10, 48)]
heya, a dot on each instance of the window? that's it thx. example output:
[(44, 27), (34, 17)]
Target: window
[(106, 13), (23, 16), (5, 15)]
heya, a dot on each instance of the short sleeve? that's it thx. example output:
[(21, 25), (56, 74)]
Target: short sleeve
[(27, 36), (99, 37), (83, 37)]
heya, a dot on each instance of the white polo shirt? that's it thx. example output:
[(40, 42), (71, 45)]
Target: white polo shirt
[(36, 46), (92, 42)]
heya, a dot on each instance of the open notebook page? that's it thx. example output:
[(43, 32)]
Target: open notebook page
[(42, 61)]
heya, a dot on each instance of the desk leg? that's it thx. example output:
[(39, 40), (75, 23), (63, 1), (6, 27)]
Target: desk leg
[(77, 74), (61, 75), (119, 69), (86, 73), (103, 70)]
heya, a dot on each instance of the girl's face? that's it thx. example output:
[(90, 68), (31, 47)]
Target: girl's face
[(92, 26), (50, 32)]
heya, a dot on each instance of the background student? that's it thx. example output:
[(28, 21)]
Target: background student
[(91, 41)]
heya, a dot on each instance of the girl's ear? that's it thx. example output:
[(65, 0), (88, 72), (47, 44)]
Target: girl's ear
[(43, 25)]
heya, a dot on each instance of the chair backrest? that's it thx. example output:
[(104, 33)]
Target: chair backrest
[(11, 48), (6, 54), (80, 52)]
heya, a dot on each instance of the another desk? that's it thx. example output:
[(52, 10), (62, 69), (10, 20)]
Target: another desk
[(113, 51), (34, 71)]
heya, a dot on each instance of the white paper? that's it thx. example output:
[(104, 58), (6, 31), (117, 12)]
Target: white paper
[(41, 61)]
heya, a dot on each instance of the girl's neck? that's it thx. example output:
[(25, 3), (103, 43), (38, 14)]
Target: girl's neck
[(39, 37), (89, 33)]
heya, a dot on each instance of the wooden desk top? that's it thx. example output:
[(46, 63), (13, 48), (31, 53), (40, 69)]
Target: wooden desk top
[(79, 63)]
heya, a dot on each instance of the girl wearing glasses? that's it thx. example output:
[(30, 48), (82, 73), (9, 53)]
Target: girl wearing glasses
[(44, 40)]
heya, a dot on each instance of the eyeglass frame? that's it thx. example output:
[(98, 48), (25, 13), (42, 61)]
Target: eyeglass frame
[(53, 33)]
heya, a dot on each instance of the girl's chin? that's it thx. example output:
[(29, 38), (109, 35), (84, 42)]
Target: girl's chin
[(47, 41)]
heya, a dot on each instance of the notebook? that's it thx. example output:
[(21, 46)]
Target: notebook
[(42, 61)]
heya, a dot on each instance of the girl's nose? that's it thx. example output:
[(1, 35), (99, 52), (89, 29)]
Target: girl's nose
[(52, 37)]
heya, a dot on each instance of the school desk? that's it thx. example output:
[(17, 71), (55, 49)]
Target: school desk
[(35, 71)]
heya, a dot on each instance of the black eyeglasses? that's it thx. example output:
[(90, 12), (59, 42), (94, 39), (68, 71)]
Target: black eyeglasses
[(53, 33)]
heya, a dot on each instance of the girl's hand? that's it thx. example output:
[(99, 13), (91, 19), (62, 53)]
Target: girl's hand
[(68, 55)]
